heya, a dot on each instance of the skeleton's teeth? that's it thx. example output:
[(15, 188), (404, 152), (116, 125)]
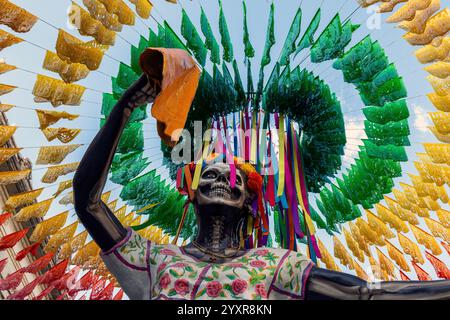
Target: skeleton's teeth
[(220, 192)]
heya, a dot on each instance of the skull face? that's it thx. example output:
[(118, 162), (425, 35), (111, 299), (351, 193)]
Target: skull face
[(215, 188)]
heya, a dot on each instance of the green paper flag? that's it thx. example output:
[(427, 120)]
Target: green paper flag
[(126, 167), (294, 32), (126, 76), (136, 53), (270, 41), (249, 50), (210, 40), (333, 40), (391, 111), (308, 38), (169, 39), (194, 42), (225, 34), (270, 38), (250, 87)]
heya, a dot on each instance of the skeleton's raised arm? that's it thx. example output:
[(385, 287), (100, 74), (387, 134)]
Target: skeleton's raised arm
[(92, 172), (331, 285)]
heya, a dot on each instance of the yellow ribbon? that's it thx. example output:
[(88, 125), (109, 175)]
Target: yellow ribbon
[(281, 157), (308, 221), (198, 166), (254, 139)]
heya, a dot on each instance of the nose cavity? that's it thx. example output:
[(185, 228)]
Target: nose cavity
[(222, 178)]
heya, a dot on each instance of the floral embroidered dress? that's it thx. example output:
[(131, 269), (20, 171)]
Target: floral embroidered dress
[(149, 271)]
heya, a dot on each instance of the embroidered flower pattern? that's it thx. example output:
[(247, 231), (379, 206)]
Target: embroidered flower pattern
[(182, 286), (213, 289), (176, 275), (135, 249)]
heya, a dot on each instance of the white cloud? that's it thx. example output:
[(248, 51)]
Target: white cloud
[(354, 135), (421, 120)]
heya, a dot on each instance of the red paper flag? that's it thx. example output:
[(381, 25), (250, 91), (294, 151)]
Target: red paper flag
[(44, 293), (30, 249), (403, 276), (39, 264), (85, 283), (12, 281), (107, 293), (11, 239), (25, 291), (421, 274), (3, 264), (446, 247), (5, 216), (68, 280), (56, 272), (97, 289), (441, 269), (119, 295)]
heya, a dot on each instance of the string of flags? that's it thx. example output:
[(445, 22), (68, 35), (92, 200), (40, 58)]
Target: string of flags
[(393, 238)]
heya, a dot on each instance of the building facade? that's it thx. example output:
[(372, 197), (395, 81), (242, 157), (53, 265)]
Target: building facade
[(16, 162)]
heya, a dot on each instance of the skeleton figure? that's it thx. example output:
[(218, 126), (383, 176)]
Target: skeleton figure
[(221, 214)]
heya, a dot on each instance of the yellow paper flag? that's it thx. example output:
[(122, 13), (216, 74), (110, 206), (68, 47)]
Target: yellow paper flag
[(437, 229), (7, 153), (408, 11), (410, 248), (55, 154), (386, 264), (57, 92), (64, 135), (22, 199), (439, 69), (342, 254), (119, 8), (16, 17), (7, 39), (419, 22), (5, 107), (327, 258), (379, 226), (430, 53), (6, 88), (48, 227), (390, 218), (53, 173), (4, 67), (37, 210), (353, 246), (73, 50), (426, 239), (47, 118), (11, 177), (143, 8), (99, 12), (444, 217), (88, 26), (61, 237), (69, 72), (397, 256)]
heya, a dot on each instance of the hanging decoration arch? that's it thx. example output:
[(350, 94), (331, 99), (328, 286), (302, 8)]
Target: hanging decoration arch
[(298, 128)]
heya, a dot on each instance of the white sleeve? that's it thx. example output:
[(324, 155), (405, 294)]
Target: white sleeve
[(128, 261)]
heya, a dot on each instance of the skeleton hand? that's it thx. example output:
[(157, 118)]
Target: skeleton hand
[(142, 92)]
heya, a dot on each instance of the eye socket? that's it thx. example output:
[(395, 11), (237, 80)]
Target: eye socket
[(238, 179), (209, 175)]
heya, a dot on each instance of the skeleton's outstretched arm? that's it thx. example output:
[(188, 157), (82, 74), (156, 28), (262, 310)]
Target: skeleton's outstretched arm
[(92, 172), (331, 285)]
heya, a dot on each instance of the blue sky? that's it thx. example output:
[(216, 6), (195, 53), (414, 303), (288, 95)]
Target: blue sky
[(54, 13)]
